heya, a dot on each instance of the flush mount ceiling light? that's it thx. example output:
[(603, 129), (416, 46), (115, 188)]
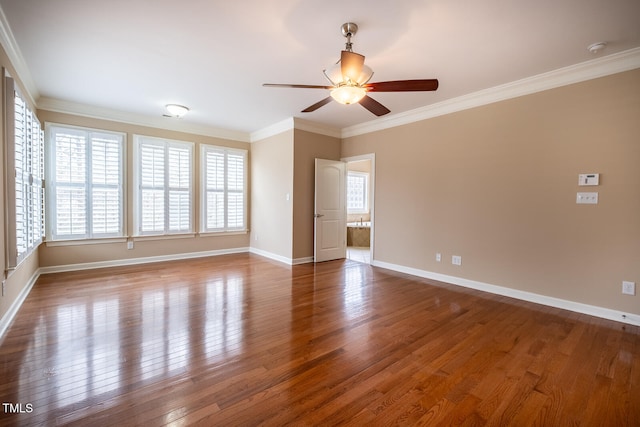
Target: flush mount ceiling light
[(176, 110), (597, 47)]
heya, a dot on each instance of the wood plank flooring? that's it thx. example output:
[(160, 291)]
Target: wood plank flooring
[(240, 340)]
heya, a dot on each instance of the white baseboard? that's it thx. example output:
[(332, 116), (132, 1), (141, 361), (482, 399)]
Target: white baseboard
[(280, 258), (305, 260), (6, 320), (271, 255), (605, 313), (136, 261)]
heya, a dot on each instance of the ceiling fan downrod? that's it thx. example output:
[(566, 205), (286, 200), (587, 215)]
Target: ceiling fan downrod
[(349, 29)]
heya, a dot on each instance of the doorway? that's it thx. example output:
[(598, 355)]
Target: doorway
[(360, 211)]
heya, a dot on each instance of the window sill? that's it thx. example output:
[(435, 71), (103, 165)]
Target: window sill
[(222, 233), (151, 237), (101, 241)]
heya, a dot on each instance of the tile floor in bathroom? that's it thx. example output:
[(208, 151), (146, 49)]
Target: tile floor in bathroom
[(360, 254)]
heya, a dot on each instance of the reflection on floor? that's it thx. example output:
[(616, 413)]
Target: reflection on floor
[(359, 254)]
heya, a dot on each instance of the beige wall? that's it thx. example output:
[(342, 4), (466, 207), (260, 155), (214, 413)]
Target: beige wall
[(307, 147), (52, 256), (271, 182), (497, 185)]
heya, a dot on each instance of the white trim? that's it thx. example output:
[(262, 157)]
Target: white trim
[(271, 255), (222, 233), (8, 317), (294, 123), (169, 123), (607, 65), (274, 129), (600, 67), (81, 242), (309, 126), (168, 236), (304, 260), (15, 57), (605, 313), (137, 261)]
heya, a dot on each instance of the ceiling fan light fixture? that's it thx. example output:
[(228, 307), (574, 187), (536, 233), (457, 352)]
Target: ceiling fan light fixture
[(365, 75), (347, 94), (334, 75), (176, 110)]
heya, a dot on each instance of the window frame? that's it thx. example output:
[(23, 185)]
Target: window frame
[(89, 235), (204, 190), (138, 142), (28, 172)]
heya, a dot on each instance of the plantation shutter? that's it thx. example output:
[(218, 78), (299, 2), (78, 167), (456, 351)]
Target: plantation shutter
[(164, 176), (179, 190), (224, 189), (86, 183), (25, 157), (235, 191), (106, 172)]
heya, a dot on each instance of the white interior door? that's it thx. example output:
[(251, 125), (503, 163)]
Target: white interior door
[(330, 214)]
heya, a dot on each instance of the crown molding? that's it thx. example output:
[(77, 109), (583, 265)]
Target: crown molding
[(17, 60), (607, 65), (313, 127), (600, 67), (294, 123), (169, 123), (274, 129)]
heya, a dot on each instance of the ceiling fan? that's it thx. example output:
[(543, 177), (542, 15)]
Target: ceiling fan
[(349, 79)]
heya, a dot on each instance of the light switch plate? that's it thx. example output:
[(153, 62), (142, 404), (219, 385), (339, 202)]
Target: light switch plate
[(587, 198)]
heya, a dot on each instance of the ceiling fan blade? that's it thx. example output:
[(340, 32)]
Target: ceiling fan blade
[(351, 65), (296, 86), (317, 105), (374, 106), (403, 85)]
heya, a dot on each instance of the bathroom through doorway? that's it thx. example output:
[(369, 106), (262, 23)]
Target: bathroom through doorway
[(360, 212)]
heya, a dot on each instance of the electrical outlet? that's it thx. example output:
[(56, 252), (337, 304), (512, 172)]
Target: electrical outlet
[(130, 244), (438, 257), (456, 260), (628, 288)]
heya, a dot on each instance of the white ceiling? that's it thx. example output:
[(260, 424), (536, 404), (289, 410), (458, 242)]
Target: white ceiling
[(135, 56)]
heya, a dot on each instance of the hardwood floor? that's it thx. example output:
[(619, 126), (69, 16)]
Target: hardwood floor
[(242, 340)]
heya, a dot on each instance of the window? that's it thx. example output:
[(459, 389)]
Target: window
[(86, 183), (163, 189), (357, 192), (25, 164), (224, 196)]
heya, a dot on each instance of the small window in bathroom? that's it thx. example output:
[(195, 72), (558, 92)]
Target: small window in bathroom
[(357, 192)]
